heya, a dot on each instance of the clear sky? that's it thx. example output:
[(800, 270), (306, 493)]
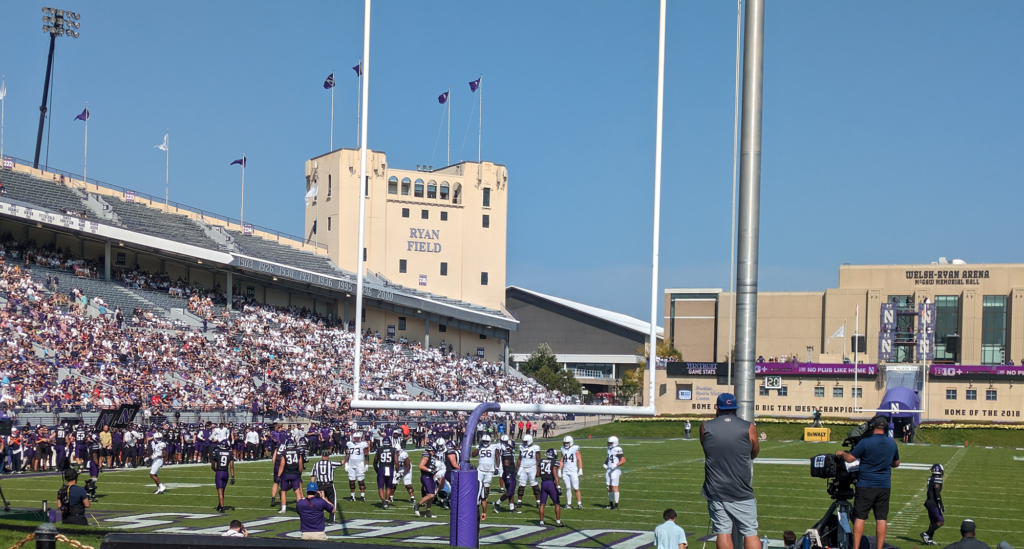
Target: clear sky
[(891, 130)]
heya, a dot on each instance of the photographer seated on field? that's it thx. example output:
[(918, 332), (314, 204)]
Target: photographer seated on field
[(878, 454)]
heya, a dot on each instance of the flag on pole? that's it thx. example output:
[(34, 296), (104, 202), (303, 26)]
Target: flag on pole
[(359, 69), (311, 195), (329, 83), (443, 98), (475, 85), (163, 146), (84, 116), (3, 90), (240, 161), (841, 332)]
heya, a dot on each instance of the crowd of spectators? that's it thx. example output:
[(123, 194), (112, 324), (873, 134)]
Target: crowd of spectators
[(53, 355)]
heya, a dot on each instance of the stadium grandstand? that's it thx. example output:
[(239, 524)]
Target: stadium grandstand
[(110, 297)]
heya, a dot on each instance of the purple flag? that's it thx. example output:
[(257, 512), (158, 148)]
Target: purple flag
[(475, 85), (443, 98), (239, 161), (329, 83), (84, 116), (359, 69)]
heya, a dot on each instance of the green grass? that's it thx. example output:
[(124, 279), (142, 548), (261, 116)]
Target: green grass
[(981, 484)]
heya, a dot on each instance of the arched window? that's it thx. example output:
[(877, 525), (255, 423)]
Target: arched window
[(431, 189), (406, 183), (457, 193), (444, 190), (329, 185), (393, 185), (418, 189)]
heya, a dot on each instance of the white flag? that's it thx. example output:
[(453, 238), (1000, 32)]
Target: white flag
[(3, 90), (163, 146), (841, 332), (311, 195)]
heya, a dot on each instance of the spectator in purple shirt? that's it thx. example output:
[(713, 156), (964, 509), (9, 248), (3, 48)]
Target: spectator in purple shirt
[(311, 513)]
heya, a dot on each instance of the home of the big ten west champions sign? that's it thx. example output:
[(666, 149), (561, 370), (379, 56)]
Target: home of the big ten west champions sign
[(951, 277)]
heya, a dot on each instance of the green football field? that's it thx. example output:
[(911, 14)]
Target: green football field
[(981, 484)]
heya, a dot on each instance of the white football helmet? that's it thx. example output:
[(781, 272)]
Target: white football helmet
[(613, 442), (527, 440), (567, 441), (357, 435), (486, 439), (505, 439)]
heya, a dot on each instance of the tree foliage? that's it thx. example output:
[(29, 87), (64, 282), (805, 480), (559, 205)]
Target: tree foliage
[(665, 350), (544, 367), (632, 385)]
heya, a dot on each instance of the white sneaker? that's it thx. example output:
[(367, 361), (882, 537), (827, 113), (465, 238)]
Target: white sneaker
[(162, 487), (540, 523), (282, 511)]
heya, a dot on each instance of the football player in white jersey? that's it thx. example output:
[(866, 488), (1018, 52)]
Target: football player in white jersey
[(159, 451), (485, 468), (404, 466), (355, 465), (612, 465), (527, 472), (571, 467)]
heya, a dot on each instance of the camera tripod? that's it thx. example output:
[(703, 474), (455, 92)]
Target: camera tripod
[(835, 528), (7, 506)]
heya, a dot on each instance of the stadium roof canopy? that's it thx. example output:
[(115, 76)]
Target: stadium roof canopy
[(619, 319)]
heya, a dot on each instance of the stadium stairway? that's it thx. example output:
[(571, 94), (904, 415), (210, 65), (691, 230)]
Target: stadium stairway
[(115, 295), (415, 390)]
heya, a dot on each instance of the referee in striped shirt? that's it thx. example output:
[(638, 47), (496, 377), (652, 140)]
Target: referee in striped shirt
[(323, 475)]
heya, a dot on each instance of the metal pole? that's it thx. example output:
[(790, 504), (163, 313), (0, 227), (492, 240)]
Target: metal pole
[(167, 172), (85, 167), (3, 103), (361, 195), (42, 107), (732, 205), (448, 159), (652, 359), (749, 207), (241, 213)]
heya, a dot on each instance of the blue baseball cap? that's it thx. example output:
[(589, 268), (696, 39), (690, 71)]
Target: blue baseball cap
[(312, 487), (726, 401)]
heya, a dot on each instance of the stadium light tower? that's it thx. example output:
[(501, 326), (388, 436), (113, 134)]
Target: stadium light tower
[(55, 23)]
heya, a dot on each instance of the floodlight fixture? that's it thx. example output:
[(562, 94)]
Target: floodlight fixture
[(56, 23)]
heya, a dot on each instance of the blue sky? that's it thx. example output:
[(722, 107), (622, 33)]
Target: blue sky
[(891, 130)]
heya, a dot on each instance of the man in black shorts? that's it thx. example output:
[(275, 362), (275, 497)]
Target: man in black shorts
[(878, 454)]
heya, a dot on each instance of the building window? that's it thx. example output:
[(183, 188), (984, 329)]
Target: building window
[(363, 315), (971, 394), (990, 394), (482, 336), (328, 223), (444, 269), (330, 185), (364, 254), (762, 391), (442, 328), (487, 197), (784, 391), (402, 265), (401, 323), (483, 279), (405, 212), (444, 190), (405, 186), (837, 392), (457, 193), (431, 189), (425, 214), (947, 316), (418, 189), (444, 216), (819, 392), (993, 329), (950, 394), (487, 221), (858, 392), (393, 185)]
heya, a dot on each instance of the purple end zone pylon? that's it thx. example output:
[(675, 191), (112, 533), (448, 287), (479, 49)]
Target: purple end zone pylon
[(464, 525)]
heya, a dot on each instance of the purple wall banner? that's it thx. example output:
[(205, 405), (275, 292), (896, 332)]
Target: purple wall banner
[(950, 370), (807, 369)]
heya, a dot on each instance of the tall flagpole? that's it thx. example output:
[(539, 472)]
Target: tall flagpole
[(652, 356), (167, 173), (359, 98), (480, 131), (448, 161), (3, 103), (241, 214), (732, 207), (332, 116), (85, 168), (362, 198)]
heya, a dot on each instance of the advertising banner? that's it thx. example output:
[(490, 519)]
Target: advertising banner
[(817, 434), (807, 369), (950, 370)]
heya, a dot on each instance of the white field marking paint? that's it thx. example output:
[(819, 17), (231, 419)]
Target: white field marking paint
[(147, 520), (371, 528), (171, 485), (510, 533), (905, 516), (1018, 458), (634, 539), (807, 462)]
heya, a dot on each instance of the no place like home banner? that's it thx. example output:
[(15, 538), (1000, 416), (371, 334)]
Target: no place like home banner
[(413, 532)]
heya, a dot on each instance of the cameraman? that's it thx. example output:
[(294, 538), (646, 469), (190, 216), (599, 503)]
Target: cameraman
[(878, 454), (73, 500)]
